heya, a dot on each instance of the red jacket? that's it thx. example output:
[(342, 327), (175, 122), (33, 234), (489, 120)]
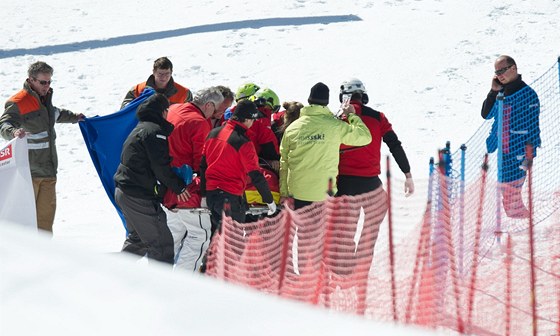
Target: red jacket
[(171, 201), (264, 139), (252, 194), (278, 118), (185, 147), (228, 157), (189, 135), (365, 161)]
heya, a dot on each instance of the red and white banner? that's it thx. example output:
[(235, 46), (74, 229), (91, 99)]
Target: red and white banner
[(17, 199)]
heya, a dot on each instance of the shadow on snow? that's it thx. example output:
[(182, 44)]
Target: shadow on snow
[(215, 27)]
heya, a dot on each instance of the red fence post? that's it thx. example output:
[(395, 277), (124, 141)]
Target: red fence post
[(445, 219), (529, 157), (421, 255), (508, 262), (285, 244), (477, 241), (391, 249)]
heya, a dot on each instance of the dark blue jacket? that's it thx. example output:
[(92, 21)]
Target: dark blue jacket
[(520, 118)]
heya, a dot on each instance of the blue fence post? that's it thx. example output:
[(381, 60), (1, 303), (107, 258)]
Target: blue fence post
[(431, 195), (558, 72), (440, 254), (431, 169), (500, 137), (447, 159), (462, 209)]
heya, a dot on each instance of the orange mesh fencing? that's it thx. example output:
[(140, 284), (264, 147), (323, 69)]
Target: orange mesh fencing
[(470, 259), (447, 271)]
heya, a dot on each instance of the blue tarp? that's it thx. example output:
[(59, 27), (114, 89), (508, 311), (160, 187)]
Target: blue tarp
[(104, 137)]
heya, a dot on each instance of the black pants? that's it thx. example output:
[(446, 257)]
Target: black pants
[(356, 185), (146, 223), (298, 204), (215, 199)]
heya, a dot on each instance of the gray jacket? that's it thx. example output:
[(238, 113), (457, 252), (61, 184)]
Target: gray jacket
[(37, 117)]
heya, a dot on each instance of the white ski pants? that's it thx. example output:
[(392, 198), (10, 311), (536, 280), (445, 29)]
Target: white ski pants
[(191, 236)]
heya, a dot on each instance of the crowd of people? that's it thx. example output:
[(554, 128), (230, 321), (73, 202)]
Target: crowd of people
[(195, 152)]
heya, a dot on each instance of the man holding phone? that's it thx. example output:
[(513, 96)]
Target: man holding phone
[(358, 173), (359, 167), (520, 125)]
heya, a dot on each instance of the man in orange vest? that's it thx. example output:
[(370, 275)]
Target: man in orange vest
[(162, 81)]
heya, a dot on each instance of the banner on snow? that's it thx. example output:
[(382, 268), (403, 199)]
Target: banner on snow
[(17, 199), (104, 137)]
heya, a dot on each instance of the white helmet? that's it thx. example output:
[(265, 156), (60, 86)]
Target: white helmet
[(352, 85)]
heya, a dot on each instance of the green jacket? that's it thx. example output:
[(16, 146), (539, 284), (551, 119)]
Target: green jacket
[(310, 151), (37, 117)]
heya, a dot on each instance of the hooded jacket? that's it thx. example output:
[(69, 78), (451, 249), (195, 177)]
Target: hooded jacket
[(144, 170), (310, 151), (37, 117)]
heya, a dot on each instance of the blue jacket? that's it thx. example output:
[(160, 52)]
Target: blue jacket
[(520, 118)]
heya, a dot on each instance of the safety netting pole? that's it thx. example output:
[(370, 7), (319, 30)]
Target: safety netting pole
[(462, 210), (529, 156), (500, 135), (472, 283), (391, 248)]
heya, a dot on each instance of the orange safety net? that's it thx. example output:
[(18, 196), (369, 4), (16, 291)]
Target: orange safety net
[(441, 273), (480, 256)]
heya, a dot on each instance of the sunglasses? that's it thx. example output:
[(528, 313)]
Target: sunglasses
[(502, 70), (43, 82)]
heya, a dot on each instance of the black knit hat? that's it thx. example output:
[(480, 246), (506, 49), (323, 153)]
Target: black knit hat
[(153, 108), (319, 94), (246, 109)]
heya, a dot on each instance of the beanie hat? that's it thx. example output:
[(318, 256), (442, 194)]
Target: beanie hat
[(152, 108), (246, 109), (319, 94)]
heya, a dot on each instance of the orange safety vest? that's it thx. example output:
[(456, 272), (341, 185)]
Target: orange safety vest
[(178, 98)]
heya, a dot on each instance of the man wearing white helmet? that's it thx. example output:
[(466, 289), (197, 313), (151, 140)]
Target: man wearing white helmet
[(359, 168)]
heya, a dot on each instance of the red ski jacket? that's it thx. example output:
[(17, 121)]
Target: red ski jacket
[(228, 157), (185, 147), (189, 135), (365, 161)]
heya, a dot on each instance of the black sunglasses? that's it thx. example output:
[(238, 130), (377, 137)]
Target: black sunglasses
[(502, 70), (43, 82)]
